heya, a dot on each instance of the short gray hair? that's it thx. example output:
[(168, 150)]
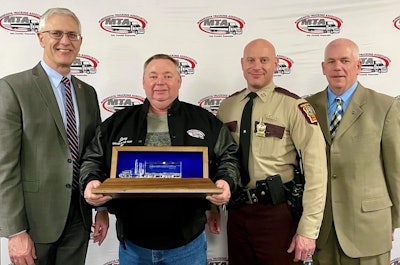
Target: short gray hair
[(57, 11)]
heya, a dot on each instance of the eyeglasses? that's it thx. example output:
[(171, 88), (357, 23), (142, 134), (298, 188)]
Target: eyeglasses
[(58, 34)]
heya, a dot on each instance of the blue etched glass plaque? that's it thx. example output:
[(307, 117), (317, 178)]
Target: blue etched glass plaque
[(155, 162)]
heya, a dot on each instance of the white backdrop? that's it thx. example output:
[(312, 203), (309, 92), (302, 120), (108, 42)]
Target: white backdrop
[(207, 37)]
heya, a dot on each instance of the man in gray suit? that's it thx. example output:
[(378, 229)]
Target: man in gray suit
[(41, 212), (361, 128)]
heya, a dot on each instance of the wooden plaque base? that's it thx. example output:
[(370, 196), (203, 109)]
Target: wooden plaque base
[(156, 187)]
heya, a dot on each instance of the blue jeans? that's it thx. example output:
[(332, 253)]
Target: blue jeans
[(193, 253)]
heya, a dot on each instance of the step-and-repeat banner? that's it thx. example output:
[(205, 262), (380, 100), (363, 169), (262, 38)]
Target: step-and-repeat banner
[(207, 38)]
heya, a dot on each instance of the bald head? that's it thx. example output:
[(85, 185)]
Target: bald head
[(342, 42), (341, 65), (259, 44), (259, 63)]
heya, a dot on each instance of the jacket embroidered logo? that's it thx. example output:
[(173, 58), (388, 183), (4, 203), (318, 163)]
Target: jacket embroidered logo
[(195, 133)]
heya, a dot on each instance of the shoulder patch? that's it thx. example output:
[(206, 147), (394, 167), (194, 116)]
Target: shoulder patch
[(286, 92), (309, 113)]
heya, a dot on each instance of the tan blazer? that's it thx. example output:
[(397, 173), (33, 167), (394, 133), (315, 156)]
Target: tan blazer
[(35, 161), (363, 199)]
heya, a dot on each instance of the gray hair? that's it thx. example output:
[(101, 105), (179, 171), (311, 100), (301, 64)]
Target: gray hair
[(57, 11), (353, 46)]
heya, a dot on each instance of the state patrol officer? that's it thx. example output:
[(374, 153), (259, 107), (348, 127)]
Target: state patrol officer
[(282, 126)]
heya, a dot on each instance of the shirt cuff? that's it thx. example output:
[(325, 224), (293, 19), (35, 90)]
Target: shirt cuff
[(23, 231)]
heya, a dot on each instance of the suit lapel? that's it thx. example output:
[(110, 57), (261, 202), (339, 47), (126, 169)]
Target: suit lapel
[(44, 87), (321, 111)]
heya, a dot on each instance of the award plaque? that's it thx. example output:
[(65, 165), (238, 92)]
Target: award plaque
[(158, 171)]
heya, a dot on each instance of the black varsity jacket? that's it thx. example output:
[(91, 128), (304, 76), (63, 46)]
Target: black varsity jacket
[(156, 223)]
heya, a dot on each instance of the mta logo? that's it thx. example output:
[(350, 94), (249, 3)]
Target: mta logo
[(374, 63), (216, 22), (117, 21), (20, 22), (221, 25), (314, 22), (118, 102), (121, 24), (317, 24)]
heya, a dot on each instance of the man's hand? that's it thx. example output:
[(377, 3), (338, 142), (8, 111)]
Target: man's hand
[(214, 222), (304, 247), (223, 198), (95, 199), (21, 249), (101, 224)]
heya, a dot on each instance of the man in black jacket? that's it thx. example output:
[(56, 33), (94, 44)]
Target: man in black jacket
[(153, 229)]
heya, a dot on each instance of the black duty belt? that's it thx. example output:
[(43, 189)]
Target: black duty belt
[(268, 191), (251, 196)]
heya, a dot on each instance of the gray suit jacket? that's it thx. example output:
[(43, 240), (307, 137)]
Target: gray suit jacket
[(363, 199), (35, 161)]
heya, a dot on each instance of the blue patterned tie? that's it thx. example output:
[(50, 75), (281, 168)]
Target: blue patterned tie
[(336, 117), (72, 133)]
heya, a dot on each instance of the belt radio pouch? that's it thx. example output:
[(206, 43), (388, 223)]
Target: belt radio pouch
[(276, 189)]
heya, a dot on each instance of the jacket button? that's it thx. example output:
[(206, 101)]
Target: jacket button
[(68, 186), (69, 160)]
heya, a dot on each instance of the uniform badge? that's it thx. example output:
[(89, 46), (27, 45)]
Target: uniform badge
[(261, 128)]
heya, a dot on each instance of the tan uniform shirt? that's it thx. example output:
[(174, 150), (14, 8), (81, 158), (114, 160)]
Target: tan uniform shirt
[(291, 126)]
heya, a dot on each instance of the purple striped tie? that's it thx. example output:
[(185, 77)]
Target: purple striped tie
[(72, 133)]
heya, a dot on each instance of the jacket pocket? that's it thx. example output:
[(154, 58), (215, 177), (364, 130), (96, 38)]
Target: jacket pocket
[(376, 204)]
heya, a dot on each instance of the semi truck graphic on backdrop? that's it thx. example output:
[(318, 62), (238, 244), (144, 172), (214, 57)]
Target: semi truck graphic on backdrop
[(223, 26), (24, 23), (369, 65), (127, 27), (185, 68), (81, 66), (282, 69), (321, 26)]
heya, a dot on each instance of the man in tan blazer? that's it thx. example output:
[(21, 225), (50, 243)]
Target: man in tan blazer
[(42, 213), (363, 199)]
